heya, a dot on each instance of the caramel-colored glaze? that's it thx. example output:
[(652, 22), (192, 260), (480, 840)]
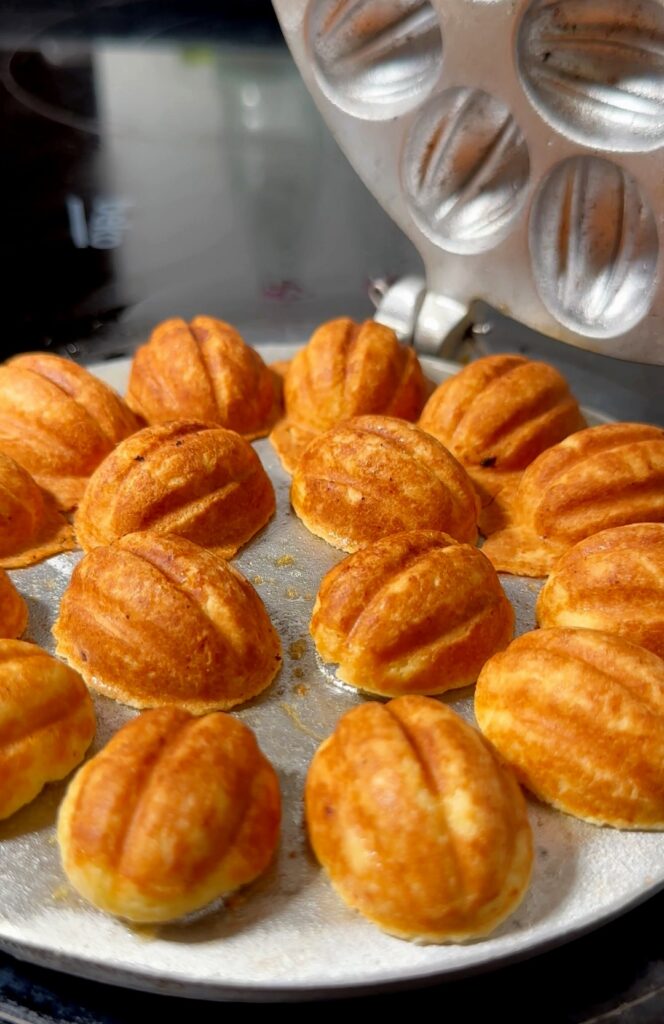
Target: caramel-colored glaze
[(374, 475), (599, 478), (13, 609), (414, 612), (204, 371), (31, 528), (59, 422), (502, 411), (173, 813), (416, 822), (192, 479), (155, 620), (579, 715), (612, 581), (346, 369), (47, 722)]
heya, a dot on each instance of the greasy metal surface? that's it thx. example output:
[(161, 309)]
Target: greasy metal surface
[(288, 934), (471, 121)]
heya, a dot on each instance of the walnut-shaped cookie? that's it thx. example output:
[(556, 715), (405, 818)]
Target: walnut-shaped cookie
[(601, 477), (173, 813), (47, 722), (59, 422), (13, 609), (418, 825), (415, 612), (375, 475), (155, 620), (192, 479), (496, 416), (31, 528), (203, 371), (347, 369), (612, 581), (579, 715)]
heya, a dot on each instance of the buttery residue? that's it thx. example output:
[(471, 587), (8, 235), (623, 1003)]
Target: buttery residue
[(284, 560), (143, 932), (308, 596), (298, 673), (257, 580), (297, 721), (301, 690), (235, 900), (292, 593), (62, 893), (297, 649)]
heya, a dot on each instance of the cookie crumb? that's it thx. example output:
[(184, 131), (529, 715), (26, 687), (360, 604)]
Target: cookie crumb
[(297, 649)]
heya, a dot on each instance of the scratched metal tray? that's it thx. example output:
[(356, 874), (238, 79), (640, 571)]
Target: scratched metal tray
[(288, 935)]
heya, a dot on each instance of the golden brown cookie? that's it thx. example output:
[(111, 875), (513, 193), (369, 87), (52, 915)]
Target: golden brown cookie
[(192, 479), (47, 722), (13, 609), (612, 581), (203, 371), (496, 416), (375, 475), (414, 612), (579, 715), (59, 422), (417, 823), (347, 369), (174, 812), (602, 477), (155, 620), (31, 528)]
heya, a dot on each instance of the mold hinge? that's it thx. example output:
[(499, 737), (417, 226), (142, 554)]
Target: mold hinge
[(433, 324)]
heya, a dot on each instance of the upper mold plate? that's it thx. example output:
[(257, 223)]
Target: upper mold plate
[(594, 69), (375, 59)]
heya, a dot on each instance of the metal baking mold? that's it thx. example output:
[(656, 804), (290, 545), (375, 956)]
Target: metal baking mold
[(462, 117), (288, 935)]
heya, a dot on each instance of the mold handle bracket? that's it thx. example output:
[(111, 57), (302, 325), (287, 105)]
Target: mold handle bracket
[(434, 324)]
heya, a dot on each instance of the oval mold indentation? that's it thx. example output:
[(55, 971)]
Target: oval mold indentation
[(596, 70), (372, 58), (465, 169), (594, 247)]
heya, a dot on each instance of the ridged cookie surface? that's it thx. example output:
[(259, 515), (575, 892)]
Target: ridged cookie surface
[(31, 528), (612, 581), (203, 371), (501, 411), (417, 823), (47, 722), (174, 812), (497, 415), (579, 715), (414, 612), (156, 620), (375, 475), (601, 477), (192, 479), (347, 369), (13, 609), (59, 422)]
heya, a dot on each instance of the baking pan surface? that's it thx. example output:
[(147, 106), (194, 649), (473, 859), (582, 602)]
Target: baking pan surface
[(288, 935)]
